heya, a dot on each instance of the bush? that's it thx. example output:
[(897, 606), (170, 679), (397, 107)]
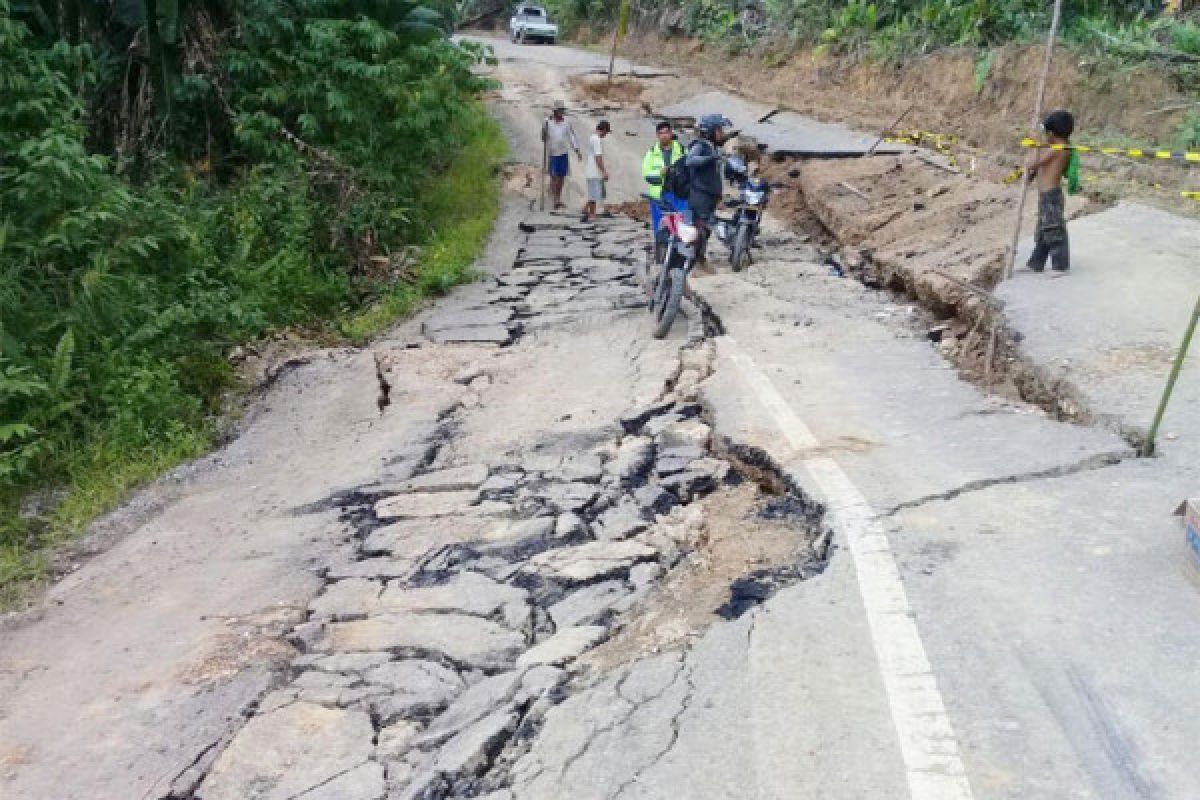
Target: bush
[(887, 28), (307, 138), (1188, 136)]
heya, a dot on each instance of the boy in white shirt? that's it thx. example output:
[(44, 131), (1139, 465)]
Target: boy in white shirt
[(595, 171)]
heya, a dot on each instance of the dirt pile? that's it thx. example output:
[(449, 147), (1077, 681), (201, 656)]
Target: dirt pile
[(620, 92), (913, 227), (633, 209)]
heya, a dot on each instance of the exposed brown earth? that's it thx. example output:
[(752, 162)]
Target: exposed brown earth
[(1113, 105)]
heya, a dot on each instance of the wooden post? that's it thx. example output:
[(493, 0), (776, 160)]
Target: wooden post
[(1148, 445), (612, 57), (891, 129), (618, 32), (1037, 118), (545, 166)]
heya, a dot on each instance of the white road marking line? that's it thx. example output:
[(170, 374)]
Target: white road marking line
[(928, 745)]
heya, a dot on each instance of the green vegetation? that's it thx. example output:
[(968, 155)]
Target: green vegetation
[(464, 202), (168, 190), (1188, 137), (883, 29)]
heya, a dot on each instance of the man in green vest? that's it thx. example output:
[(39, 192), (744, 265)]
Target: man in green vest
[(665, 152)]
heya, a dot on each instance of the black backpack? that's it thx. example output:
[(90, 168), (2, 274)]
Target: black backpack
[(678, 180)]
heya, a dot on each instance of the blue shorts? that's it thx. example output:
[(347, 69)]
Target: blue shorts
[(669, 202), (559, 166)]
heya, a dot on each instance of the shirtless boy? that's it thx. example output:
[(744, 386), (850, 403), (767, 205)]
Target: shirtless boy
[(1047, 170)]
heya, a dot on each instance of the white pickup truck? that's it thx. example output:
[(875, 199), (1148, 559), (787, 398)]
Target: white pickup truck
[(532, 24)]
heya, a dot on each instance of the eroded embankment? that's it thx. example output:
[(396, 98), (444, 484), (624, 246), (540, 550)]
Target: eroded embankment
[(984, 100), (936, 236)]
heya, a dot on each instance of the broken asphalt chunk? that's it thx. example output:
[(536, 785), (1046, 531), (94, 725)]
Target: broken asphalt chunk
[(464, 639), (447, 480), (563, 647), (467, 318), (289, 752), (591, 561)]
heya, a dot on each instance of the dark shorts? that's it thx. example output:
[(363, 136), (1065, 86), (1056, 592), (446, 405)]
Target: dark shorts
[(1052, 217), (559, 166), (1050, 240), (703, 206)]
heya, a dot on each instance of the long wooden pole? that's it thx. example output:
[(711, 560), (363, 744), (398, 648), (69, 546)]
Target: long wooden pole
[(890, 128), (1148, 445), (1033, 126), (622, 24), (612, 57), (545, 166)]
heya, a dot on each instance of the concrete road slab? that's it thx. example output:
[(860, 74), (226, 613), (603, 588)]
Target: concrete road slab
[(760, 707), (783, 132), (793, 721), (143, 660), (1025, 593), (894, 414), (1112, 325)]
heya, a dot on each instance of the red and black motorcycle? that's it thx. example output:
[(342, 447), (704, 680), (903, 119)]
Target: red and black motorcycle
[(670, 273)]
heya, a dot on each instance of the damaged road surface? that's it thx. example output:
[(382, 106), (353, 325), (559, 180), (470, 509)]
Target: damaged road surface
[(469, 594), (521, 550), (539, 503)]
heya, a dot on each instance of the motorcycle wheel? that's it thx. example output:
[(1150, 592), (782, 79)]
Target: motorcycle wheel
[(655, 268), (670, 296), (739, 254), (658, 288), (649, 278)]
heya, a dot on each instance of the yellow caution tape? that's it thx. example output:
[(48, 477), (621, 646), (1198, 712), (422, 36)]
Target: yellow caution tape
[(941, 142), (1131, 152), (945, 143)]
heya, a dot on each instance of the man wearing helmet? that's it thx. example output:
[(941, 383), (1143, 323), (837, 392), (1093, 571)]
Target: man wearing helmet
[(703, 163)]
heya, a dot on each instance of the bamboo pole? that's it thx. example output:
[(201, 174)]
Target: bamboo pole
[(545, 166), (891, 128), (622, 25), (1148, 445), (1037, 118), (612, 56)]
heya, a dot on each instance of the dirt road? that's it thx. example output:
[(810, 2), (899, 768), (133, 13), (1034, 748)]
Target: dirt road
[(785, 552)]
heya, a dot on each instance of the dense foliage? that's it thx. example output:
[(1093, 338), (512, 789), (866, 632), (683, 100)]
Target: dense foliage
[(170, 189), (885, 28)]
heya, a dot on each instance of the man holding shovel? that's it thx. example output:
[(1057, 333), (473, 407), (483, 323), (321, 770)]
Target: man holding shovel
[(558, 138)]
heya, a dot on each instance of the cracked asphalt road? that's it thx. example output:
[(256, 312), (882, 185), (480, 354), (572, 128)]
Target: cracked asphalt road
[(485, 592), (1039, 561)]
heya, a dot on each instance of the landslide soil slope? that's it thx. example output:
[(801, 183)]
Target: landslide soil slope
[(940, 90)]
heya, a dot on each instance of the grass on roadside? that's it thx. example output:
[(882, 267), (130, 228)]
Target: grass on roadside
[(100, 477), (462, 204)]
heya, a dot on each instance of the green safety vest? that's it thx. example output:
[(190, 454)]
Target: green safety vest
[(653, 165)]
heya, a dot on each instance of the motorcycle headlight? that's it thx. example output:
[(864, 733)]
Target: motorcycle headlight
[(754, 198), (689, 233)]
